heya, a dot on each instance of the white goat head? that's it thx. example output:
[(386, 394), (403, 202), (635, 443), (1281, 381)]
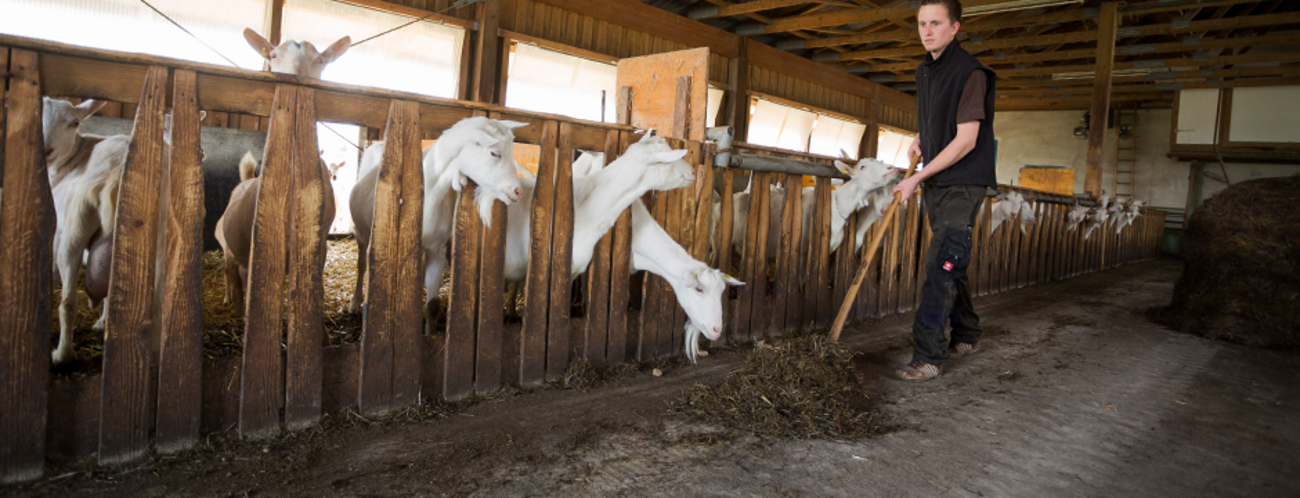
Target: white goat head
[(294, 57), (60, 121), (665, 168), (700, 294), (1027, 215), (1077, 215), (870, 174), (481, 149)]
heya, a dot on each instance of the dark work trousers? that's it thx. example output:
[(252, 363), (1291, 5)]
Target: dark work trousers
[(945, 295)]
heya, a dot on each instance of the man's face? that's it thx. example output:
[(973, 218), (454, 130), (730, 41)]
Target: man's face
[(936, 30)]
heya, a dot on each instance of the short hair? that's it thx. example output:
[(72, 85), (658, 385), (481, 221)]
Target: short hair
[(953, 6)]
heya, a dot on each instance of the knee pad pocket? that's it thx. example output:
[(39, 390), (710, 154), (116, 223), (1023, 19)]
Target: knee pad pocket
[(954, 254)]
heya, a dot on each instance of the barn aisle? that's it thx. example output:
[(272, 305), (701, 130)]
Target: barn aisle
[(1076, 394)]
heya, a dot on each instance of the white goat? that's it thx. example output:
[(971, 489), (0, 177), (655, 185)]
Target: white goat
[(297, 58), (599, 196), (476, 148), (1078, 215), (1131, 213), (1006, 205), (699, 288)]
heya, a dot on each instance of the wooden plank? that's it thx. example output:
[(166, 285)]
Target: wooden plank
[(871, 296), (557, 337), (671, 313), (27, 223), (653, 103), (620, 262), (305, 271), (1107, 25), (491, 303), (462, 310), (261, 375), (787, 255), (532, 365), (486, 50), (745, 295), (408, 309), (845, 261), (892, 259), (907, 299), (124, 411), (760, 307), (825, 308), (596, 335), (180, 355), (722, 249), (794, 213)]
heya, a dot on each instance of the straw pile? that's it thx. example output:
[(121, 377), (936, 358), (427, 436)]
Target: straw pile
[(801, 387)]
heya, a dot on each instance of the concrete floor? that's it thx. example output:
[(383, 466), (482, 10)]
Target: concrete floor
[(1075, 394)]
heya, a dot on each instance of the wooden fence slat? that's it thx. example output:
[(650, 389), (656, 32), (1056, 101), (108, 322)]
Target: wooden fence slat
[(908, 299), (760, 201), (532, 362), (620, 264), (988, 270), (846, 264), (745, 295), (27, 226), (557, 344), (658, 308), (305, 271), (892, 259), (374, 383), (871, 297), (408, 307), (825, 308), (124, 423), (722, 251), (180, 356), (462, 310), (976, 256), (795, 316), (491, 303), (596, 335), (787, 258)]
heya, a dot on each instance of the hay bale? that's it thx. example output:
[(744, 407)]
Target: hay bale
[(801, 387), (1241, 277)]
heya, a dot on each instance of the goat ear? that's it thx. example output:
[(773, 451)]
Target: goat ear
[(845, 155), (513, 124), (667, 157), (89, 107), (731, 281), (258, 43), (484, 138), (336, 50), (844, 167)]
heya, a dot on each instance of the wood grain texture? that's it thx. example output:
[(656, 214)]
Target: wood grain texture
[(491, 316), (787, 255), (760, 203), (745, 295), (821, 265), (462, 314), (1107, 24), (180, 357), (124, 421), (27, 223), (532, 365), (408, 307), (261, 374), (596, 295), (620, 263), (306, 292), (561, 285), (374, 383), (722, 251)]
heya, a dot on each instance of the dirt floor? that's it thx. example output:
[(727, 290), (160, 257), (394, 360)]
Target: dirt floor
[(1076, 393)]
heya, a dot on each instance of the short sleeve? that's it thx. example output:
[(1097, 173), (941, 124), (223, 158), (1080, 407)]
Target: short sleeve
[(971, 106)]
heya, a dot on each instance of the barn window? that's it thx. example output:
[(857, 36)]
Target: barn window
[(421, 58), (781, 126), (715, 97), (553, 82), (831, 135), (892, 147), (130, 26)]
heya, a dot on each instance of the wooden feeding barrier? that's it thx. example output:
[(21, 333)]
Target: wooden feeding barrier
[(285, 378)]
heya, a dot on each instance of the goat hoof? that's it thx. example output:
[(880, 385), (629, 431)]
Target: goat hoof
[(61, 356)]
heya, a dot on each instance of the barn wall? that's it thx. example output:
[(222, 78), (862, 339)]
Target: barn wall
[(1046, 138)]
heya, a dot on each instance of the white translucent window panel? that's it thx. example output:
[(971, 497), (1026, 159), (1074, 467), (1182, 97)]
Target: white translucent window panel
[(892, 148), (1268, 114), (553, 82), (832, 135), (421, 58), (775, 125), (130, 26), (715, 104), (1196, 116)]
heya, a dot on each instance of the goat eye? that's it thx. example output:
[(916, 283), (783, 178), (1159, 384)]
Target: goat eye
[(699, 290), (496, 155)]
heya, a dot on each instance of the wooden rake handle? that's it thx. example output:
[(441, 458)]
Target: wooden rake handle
[(871, 253)]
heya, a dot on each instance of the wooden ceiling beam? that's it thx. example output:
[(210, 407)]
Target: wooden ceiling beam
[(743, 8), (1087, 36), (1006, 75)]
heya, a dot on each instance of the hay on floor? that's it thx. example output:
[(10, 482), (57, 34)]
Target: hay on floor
[(1241, 276), (800, 387)]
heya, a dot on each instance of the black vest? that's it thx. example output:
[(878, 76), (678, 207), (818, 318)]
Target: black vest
[(939, 84)]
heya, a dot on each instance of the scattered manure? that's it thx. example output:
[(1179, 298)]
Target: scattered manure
[(801, 387)]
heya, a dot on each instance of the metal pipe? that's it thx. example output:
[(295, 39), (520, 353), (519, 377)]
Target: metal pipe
[(740, 160)]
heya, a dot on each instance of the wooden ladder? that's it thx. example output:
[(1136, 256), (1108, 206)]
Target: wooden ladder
[(1125, 173)]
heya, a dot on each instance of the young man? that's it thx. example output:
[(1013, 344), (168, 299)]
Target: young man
[(955, 98)]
